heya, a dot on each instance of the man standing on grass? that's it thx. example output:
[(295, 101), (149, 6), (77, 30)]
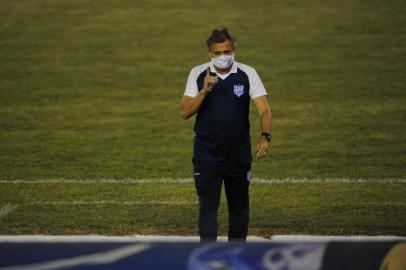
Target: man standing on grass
[(220, 92)]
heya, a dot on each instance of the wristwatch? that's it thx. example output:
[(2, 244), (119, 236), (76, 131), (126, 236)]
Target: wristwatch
[(267, 136)]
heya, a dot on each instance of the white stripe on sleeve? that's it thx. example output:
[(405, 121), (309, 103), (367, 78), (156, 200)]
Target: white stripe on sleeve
[(256, 86), (191, 85)]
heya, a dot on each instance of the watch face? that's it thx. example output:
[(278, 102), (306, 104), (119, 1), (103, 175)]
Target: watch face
[(267, 136)]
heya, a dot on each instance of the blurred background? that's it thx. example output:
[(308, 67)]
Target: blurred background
[(91, 89)]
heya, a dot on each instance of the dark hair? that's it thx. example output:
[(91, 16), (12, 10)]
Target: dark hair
[(220, 35)]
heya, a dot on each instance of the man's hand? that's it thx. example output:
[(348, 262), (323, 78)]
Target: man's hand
[(190, 105), (266, 124), (209, 81), (262, 147)]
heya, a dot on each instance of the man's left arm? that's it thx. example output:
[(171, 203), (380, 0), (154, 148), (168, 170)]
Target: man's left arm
[(265, 116)]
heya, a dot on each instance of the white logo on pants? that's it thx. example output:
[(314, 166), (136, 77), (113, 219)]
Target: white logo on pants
[(249, 175)]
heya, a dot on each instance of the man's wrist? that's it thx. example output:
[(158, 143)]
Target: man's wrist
[(204, 91), (267, 136)]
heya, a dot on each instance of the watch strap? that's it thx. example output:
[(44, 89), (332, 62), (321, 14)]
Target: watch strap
[(267, 135)]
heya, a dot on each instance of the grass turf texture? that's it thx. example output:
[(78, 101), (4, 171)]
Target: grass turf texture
[(90, 89), (342, 209)]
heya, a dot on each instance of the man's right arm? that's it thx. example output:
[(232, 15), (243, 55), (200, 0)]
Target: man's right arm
[(189, 105)]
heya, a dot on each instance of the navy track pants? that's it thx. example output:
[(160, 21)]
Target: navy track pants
[(208, 181)]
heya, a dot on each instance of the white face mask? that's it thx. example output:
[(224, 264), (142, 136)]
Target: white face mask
[(223, 61)]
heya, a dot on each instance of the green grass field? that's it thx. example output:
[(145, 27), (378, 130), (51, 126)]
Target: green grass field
[(90, 90), (339, 209)]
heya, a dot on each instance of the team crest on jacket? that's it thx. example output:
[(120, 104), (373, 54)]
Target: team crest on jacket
[(239, 90)]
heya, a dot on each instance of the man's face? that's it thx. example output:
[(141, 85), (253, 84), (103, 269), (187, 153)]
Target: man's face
[(217, 49)]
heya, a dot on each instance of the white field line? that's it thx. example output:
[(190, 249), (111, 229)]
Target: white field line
[(374, 203), (112, 202), (175, 238), (155, 202), (109, 239), (327, 238), (190, 180), (65, 238), (101, 181), (326, 181), (92, 259), (5, 210)]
